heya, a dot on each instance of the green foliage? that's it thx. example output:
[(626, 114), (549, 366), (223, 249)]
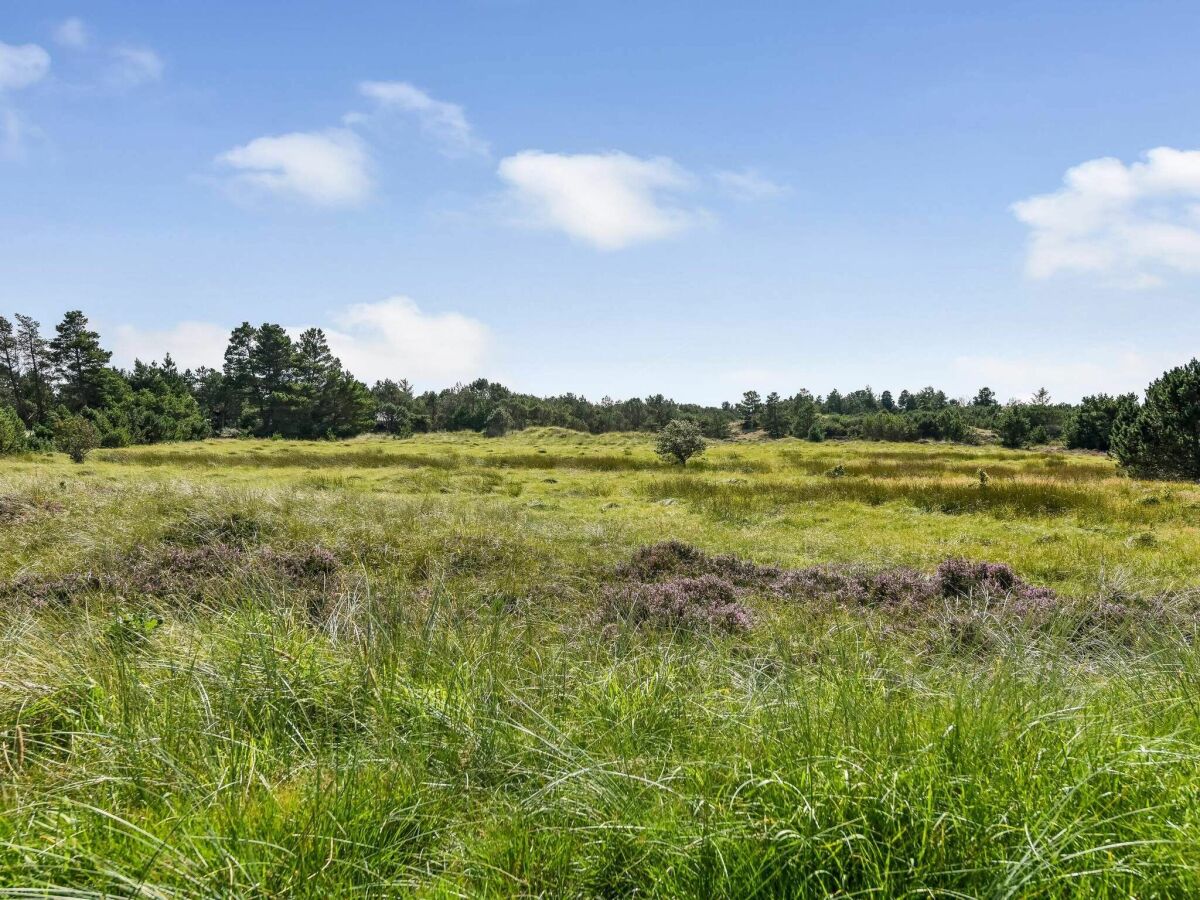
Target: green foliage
[(79, 362), (499, 423), (12, 432), (816, 433), (1013, 427), (1161, 439), (75, 436), (773, 418), (679, 441), (750, 409), (1090, 426)]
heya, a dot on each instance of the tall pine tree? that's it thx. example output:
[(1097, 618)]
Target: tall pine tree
[(79, 362)]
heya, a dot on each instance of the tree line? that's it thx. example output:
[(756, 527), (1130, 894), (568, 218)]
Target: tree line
[(61, 390)]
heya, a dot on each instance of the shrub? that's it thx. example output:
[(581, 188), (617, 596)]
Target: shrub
[(498, 423), (679, 441), (12, 432), (1091, 426), (1158, 440), (76, 437), (1013, 427), (816, 433)]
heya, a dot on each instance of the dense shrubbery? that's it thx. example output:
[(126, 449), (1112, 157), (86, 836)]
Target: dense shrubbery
[(1161, 438)]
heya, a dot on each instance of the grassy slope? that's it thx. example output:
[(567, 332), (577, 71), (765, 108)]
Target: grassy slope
[(452, 724)]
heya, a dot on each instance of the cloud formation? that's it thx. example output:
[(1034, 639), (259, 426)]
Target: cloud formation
[(22, 65), (393, 338), (749, 184), (71, 33), (1132, 224), (326, 168), (445, 122), (608, 200), (134, 66)]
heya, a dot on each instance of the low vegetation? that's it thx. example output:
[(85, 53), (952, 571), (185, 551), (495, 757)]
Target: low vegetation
[(551, 664)]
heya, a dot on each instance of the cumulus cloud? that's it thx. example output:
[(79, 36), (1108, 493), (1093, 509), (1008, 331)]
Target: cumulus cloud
[(134, 66), (22, 65), (1129, 223), (608, 200), (71, 33), (326, 168), (395, 339), (191, 344), (748, 184), (445, 122)]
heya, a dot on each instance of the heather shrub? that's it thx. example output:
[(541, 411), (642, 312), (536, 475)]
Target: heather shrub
[(704, 603)]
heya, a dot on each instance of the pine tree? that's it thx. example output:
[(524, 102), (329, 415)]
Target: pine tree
[(773, 421), (273, 365), (237, 381), (750, 409), (79, 362), (10, 369), (34, 354)]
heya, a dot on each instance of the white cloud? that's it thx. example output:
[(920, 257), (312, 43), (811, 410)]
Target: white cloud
[(444, 122), (327, 168), (1103, 370), (608, 200), (395, 339), (22, 65), (389, 339), (71, 33), (1129, 223), (191, 344), (749, 184), (134, 66)]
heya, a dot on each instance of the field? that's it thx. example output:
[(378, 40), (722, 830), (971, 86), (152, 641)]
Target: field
[(441, 667)]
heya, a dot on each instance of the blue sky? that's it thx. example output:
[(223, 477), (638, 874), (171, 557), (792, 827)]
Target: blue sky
[(617, 198)]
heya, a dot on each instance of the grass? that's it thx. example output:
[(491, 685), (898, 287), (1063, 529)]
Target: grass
[(270, 669)]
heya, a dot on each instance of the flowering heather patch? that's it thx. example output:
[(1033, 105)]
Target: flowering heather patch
[(172, 571), (899, 586), (704, 603)]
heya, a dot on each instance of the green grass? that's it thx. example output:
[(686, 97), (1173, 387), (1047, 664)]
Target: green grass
[(442, 717)]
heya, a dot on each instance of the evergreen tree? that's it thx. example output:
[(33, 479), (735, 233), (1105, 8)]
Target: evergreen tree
[(1014, 427), (773, 421), (10, 369), (1090, 427), (1161, 439), (273, 366), (985, 397), (886, 402), (237, 382), (750, 409), (79, 362), (34, 354)]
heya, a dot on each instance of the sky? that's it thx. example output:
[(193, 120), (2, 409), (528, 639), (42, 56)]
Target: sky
[(617, 198)]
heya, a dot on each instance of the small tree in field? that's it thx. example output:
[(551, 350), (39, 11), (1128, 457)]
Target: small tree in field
[(76, 437), (679, 441)]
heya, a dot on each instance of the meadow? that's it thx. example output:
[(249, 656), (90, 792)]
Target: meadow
[(455, 666)]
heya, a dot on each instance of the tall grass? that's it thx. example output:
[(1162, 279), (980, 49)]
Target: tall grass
[(440, 714)]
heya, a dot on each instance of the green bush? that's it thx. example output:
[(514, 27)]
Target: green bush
[(1013, 427), (1161, 439), (679, 441), (12, 432), (76, 437)]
